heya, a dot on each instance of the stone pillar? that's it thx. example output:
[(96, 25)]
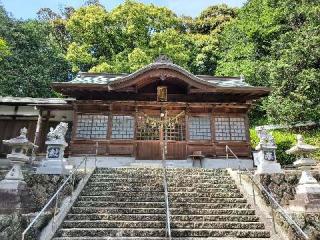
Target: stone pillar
[(55, 163), (266, 155)]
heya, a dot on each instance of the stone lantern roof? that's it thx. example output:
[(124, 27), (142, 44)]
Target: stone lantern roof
[(21, 140), (301, 147)]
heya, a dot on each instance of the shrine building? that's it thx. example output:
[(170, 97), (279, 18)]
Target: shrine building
[(159, 106)]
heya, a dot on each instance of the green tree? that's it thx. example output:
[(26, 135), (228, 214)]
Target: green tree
[(173, 44), (110, 37), (4, 49), (213, 19), (276, 44), (35, 60), (138, 59)]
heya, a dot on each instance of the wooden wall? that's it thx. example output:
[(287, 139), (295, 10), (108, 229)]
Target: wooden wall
[(151, 149)]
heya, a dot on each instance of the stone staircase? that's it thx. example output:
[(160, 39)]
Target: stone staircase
[(129, 203)]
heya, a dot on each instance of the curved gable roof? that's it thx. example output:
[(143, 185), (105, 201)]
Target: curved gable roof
[(160, 68)]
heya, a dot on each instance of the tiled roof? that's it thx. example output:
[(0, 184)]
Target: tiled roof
[(107, 78), (29, 100)]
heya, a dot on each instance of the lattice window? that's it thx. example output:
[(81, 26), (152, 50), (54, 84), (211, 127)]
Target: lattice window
[(175, 132), (237, 129), (147, 131), (122, 127), (222, 129), (199, 128), (230, 129), (92, 126)]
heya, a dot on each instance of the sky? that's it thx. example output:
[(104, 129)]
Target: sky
[(28, 8)]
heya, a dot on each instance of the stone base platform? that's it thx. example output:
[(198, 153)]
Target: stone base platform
[(209, 163)]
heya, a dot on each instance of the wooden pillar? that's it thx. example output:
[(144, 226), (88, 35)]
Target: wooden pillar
[(74, 127), (163, 157), (37, 135)]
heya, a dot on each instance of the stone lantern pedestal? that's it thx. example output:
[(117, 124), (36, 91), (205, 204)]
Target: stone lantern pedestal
[(267, 161), (307, 198), (266, 154), (55, 163), (13, 186)]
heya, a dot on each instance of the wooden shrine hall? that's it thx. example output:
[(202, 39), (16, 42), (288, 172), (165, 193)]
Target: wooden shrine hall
[(159, 109)]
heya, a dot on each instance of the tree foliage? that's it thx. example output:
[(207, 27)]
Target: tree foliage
[(4, 49), (276, 44), (35, 61), (143, 31), (272, 43)]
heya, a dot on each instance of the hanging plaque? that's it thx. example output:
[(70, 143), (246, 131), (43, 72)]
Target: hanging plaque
[(161, 94)]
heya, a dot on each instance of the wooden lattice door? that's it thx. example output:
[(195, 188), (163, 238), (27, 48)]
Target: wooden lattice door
[(148, 138)]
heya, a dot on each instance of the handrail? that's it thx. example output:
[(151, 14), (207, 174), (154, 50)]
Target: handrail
[(166, 195), (55, 196), (282, 211)]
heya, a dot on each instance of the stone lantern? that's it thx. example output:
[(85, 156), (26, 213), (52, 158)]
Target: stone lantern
[(307, 198), (266, 154), (18, 157)]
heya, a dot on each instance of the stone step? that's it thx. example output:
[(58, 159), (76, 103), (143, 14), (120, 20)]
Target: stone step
[(154, 170), (203, 185), (128, 203), (215, 218), (204, 233), (156, 198), (160, 173), (118, 217), (212, 189), (204, 206), (173, 211), (150, 238), (126, 188), (111, 232), (113, 224), (220, 194), (124, 184), (125, 232), (160, 224), (160, 180), (216, 225), (162, 217), (159, 198), (143, 178), (160, 184), (187, 182), (114, 210), (127, 175), (161, 205), (120, 204), (177, 199)]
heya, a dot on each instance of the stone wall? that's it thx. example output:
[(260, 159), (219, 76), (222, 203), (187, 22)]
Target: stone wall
[(282, 187), (40, 188)]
